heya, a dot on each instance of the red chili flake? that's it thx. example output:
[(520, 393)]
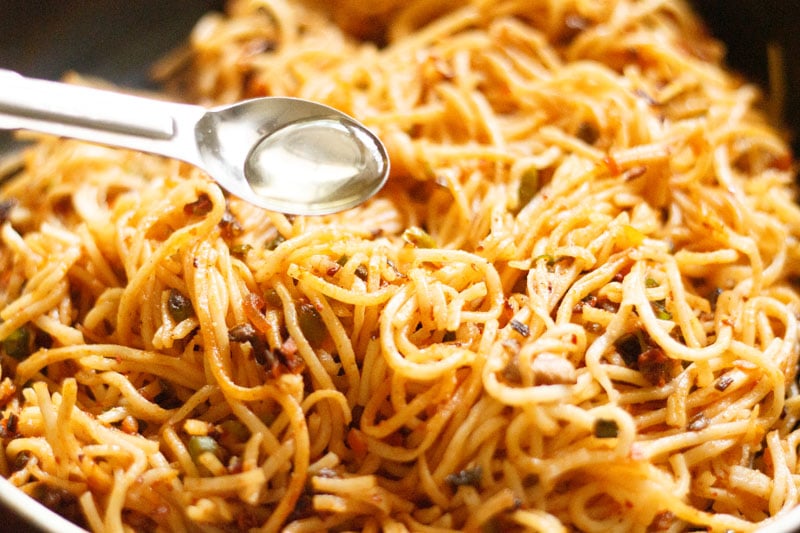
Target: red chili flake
[(612, 165), (289, 347), (357, 443), (253, 304), (129, 425), (332, 269), (292, 360), (200, 207), (230, 226), (8, 427), (634, 172), (656, 367)]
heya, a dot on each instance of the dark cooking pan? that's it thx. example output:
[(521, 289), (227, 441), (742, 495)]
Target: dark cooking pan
[(118, 41), (113, 40)]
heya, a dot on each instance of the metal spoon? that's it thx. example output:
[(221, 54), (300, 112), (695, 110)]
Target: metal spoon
[(284, 154)]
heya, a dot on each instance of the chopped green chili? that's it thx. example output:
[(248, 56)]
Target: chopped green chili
[(179, 305), (272, 298), (200, 444), (274, 242), (311, 323), (528, 187), (236, 429), (418, 238), (240, 250), (660, 309), (18, 343)]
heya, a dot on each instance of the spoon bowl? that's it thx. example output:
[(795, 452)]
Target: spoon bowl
[(284, 154), (303, 154)]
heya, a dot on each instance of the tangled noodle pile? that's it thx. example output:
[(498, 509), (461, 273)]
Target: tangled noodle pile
[(573, 307)]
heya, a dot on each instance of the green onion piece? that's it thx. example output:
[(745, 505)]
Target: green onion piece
[(549, 259), (311, 323), (528, 187), (661, 310), (200, 444), (650, 283), (236, 429), (272, 298), (275, 242), (18, 343), (605, 428), (240, 250), (418, 238)]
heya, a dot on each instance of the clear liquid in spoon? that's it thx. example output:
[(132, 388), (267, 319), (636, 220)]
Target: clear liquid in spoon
[(327, 162)]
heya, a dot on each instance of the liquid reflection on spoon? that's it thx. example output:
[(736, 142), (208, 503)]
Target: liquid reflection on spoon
[(287, 165), (331, 162)]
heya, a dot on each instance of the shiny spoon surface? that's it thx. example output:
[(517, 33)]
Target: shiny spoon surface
[(284, 154)]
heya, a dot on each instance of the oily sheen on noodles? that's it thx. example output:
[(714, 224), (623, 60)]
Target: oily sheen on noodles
[(573, 307)]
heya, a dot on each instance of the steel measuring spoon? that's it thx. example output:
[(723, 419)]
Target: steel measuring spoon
[(284, 154)]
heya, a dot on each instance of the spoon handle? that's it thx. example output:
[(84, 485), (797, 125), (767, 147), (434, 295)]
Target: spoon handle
[(96, 115)]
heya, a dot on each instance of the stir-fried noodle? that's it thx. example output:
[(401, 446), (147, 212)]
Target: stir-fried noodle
[(572, 307)]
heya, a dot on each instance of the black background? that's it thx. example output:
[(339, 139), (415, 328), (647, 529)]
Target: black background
[(114, 39), (746, 27)]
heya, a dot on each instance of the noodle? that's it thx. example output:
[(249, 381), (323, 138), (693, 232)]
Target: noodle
[(574, 306)]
